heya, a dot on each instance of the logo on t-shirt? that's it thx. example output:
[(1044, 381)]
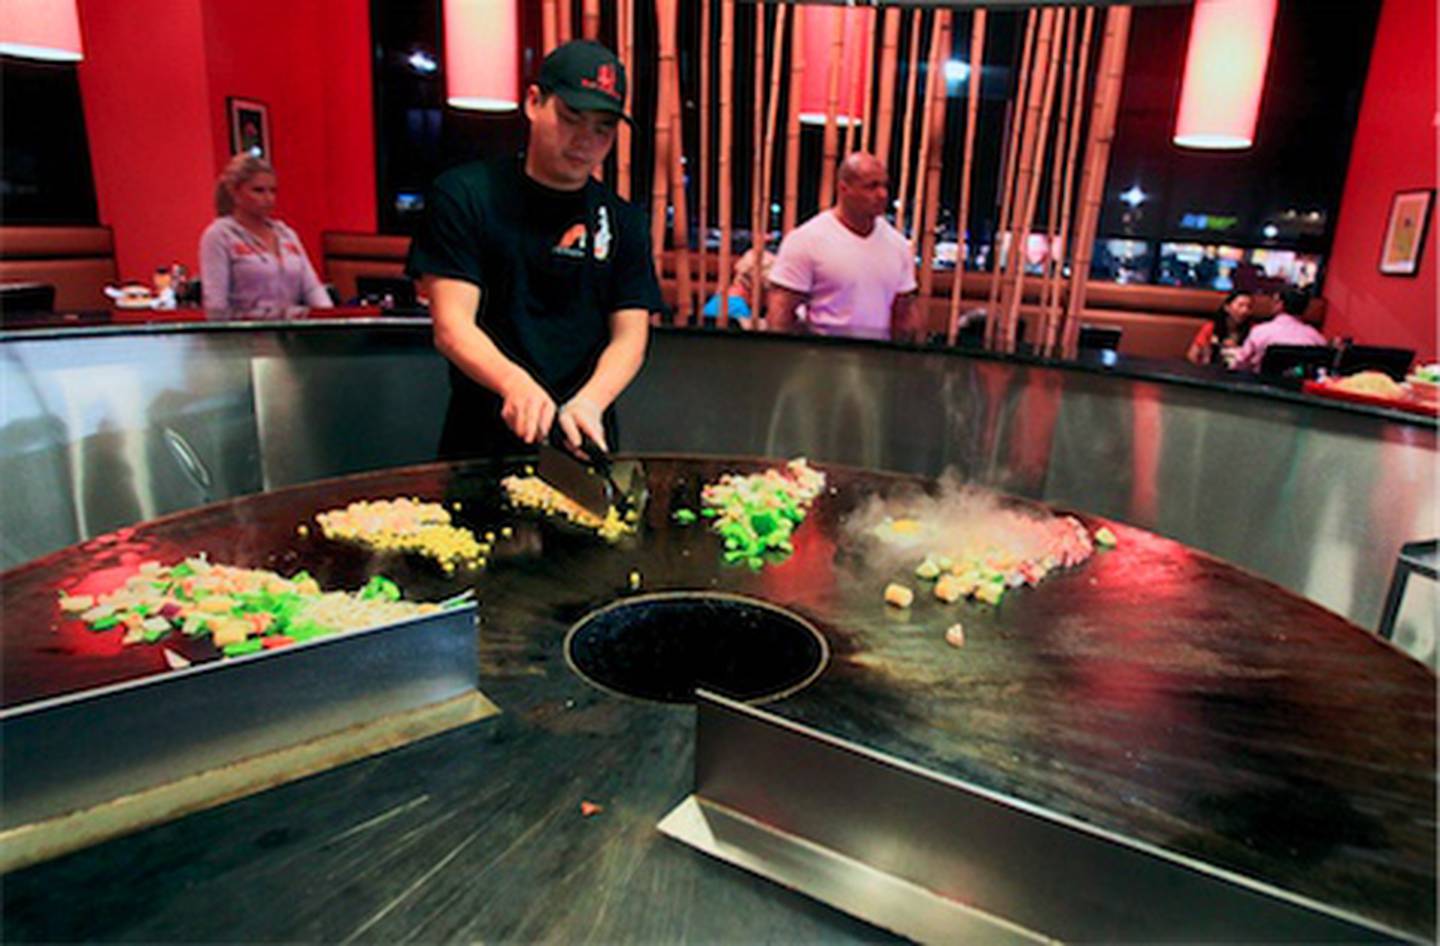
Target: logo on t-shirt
[(571, 242), (602, 235)]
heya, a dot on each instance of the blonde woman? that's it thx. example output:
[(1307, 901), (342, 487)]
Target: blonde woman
[(249, 261), (739, 290)]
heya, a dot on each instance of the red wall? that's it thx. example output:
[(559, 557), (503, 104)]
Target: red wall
[(269, 51), (1395, 147), (163, 71), (143, 88), (349, 116)]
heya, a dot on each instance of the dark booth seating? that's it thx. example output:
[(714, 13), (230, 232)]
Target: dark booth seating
[(1296, 361), (1099, 338), (21, 298), (1392, 361), (78, 262)]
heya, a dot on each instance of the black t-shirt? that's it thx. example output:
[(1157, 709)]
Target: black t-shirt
[(552, 266)]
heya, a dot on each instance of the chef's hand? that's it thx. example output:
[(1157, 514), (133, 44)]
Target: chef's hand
[(528, 410), (580, 416)]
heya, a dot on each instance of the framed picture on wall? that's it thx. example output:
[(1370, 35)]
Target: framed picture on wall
[(249, 128), (1405, 233)]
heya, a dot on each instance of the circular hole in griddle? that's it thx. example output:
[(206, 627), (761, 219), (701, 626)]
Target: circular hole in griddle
[(663, 646)]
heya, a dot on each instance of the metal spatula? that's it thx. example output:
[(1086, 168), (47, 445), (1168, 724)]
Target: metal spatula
[(575, 479)]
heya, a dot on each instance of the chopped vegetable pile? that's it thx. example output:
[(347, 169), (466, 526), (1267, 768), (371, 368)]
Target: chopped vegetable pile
[(757, 514), (406, 525), (242, 610), (986, 574)]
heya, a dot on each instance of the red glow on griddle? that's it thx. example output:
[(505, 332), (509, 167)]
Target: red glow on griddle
[(121, 565), (809, 571), (1145, 474)]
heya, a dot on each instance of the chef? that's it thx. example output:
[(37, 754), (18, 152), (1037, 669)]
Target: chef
[(540, 277)]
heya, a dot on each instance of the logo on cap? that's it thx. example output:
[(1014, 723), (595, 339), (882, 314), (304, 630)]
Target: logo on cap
[(604, 81)]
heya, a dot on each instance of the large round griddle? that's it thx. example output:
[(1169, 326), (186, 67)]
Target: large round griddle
[(1154, 691)]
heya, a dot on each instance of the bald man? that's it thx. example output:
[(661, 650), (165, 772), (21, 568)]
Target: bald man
[(853, 271)]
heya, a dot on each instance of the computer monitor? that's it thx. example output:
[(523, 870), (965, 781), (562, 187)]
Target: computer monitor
[(27, 297), (1392, 361), (375, 289), (1296, 361)]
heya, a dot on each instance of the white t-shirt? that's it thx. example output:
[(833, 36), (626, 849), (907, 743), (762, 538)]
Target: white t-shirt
[(849, 281)]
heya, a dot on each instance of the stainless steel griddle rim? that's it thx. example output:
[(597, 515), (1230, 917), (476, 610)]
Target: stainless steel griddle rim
[(681, 594), (160, 678), (893, 903), (707, 701)]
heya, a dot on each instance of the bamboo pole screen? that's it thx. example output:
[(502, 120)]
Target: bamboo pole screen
[(1051, 284), (624, 27), (680, 235), (549, 28), (767, 173), (852, 59), (727, 129), (792, 121), (565, 31), (1053, 156), (1097, 160), (927, 205), (704, 174), (590, 28), (832, 104), (1050, 343), (912, 78), (867, 37), (842, 128), (1007, 187), (758, 198), (660, 179), (591, 19), (1032, 155), (889, 52), (962, 216), (923, 90)]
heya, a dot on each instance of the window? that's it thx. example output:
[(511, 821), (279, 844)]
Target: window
[(45, 173)]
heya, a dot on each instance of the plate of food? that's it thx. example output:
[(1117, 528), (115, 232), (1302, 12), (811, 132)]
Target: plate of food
[(1424, 382), (1376, 389), (131, 296)]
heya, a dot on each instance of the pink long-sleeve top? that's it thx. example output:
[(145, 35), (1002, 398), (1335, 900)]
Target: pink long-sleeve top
[(1284, 329), (238, 272)]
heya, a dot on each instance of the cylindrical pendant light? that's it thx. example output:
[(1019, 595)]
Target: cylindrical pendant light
[(1224, 73), (40, 29), (818, 36), (482, 54)]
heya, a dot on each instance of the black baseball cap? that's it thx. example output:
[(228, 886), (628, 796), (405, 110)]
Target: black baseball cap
[(586, 76)]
